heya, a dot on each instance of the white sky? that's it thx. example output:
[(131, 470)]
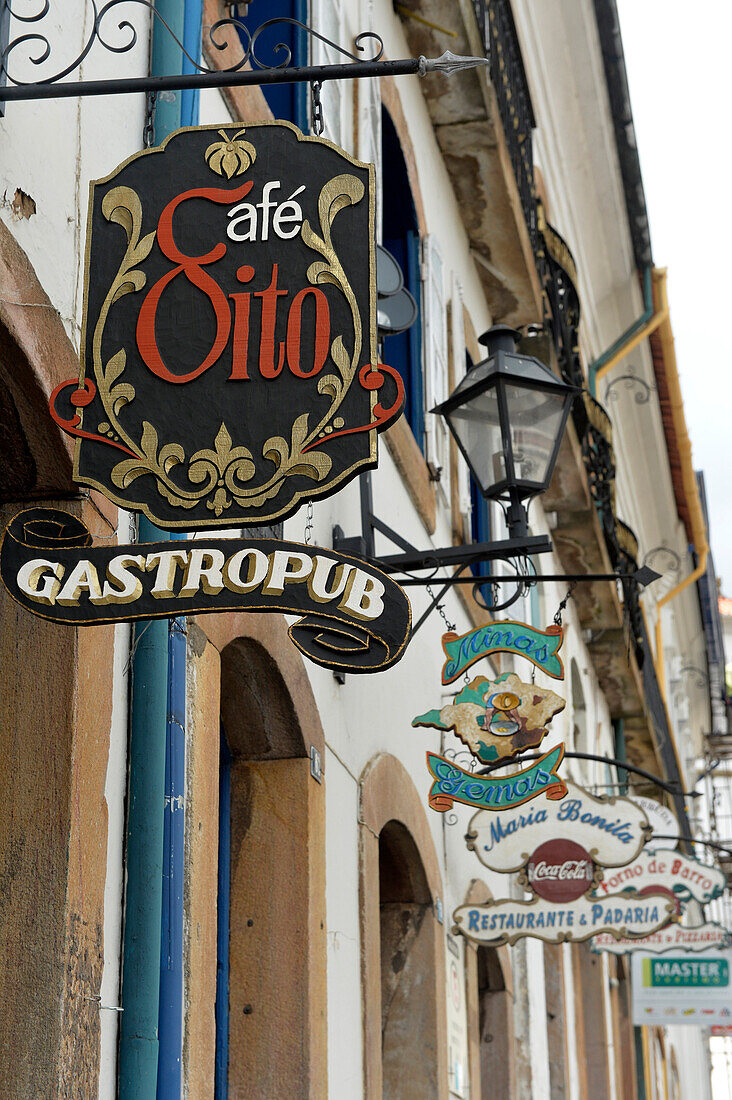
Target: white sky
[(679, 63)]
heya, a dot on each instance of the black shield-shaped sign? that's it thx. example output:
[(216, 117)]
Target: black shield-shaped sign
[(229, 367)]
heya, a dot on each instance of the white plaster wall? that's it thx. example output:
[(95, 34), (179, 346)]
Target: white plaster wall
[(540, 1085), (691, 1045), (114, 794), (51, 150), (570, 1029), (345, 1045)]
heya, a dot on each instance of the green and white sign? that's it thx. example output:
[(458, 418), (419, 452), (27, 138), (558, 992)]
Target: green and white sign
[(691, 973), (541, 647), (676, 989)]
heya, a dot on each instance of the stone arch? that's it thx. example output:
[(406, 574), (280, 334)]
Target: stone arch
[(400, 884), (276, 652), (253, 681), (35, 355), (257, 710), (674, 1084), (659, 1065), (53, 844)]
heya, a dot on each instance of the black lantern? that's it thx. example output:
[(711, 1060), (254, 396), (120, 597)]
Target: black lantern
[(508, 416)]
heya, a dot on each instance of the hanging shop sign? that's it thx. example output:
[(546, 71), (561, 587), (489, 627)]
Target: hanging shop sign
[(662, 821), (612, 831), (691, 991), (561, 850), (454, 784), (497, 719), (683, 877), (675, 937), (355, 618), (504, 920), (229, 366), (541, 647)]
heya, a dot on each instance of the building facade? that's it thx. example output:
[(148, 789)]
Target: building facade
[(277, 921)]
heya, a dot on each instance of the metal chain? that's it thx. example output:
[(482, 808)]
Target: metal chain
[(148, 130), (563, 604), (317, 108), (441, 608), (309, 524)]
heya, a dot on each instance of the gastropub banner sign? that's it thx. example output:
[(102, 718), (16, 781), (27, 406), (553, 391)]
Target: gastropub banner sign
[(355, 618), (229, 366)]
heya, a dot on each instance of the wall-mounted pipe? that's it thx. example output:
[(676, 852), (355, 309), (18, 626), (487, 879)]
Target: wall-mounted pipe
[(151, 729), (138, 1050), (647, 323)]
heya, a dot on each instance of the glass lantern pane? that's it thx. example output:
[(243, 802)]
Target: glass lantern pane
[(535, 418), (478, 428)]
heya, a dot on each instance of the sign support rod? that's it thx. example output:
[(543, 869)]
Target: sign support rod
[(447, 64)]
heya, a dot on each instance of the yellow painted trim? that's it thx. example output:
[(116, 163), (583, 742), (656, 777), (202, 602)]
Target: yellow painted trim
[(409, 14), (661, 315), (647, 1064), (691, 489)]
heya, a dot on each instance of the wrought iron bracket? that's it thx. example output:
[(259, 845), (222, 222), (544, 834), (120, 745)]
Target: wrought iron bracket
[(411, 559), (642, 577), (37, 49)]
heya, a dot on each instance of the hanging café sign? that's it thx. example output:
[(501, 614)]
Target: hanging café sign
[(229, 372), (229, 367)]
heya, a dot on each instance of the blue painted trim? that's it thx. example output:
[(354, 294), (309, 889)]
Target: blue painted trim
[(192, 20), (138, 1051), (300, 56), (221, 1083), (166, 59), (151, 1024), (170, 1020), (413, 281)]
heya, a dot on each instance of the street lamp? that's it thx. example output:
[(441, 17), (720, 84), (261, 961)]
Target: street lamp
[(508, 416)]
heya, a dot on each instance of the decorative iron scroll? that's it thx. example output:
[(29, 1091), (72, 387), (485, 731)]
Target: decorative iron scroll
[(629, 382), (697, 675), (355, 618), (663, 560), (37, 47)]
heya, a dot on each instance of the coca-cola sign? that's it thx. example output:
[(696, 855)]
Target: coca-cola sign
[(560, 870)]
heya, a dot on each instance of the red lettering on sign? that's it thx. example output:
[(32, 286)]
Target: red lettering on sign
[(269, 298), (240, 341), (192, 268), (322, 332)]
